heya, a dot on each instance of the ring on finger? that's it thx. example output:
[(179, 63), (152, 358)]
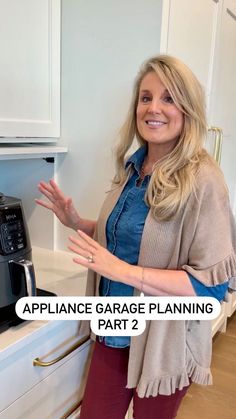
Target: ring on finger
[(90, 259)]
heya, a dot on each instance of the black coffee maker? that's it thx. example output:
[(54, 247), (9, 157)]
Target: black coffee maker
[(17, 278)]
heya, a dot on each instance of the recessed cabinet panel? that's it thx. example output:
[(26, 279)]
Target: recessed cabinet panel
[(224, 93), (30, 68)]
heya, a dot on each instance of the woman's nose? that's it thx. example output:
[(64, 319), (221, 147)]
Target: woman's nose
[(155, 107)]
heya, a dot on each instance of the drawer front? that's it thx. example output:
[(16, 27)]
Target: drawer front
[(53, 396), (17, 371)]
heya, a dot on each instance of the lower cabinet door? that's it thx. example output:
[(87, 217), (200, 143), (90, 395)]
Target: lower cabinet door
[(55, 395), (17, 371)]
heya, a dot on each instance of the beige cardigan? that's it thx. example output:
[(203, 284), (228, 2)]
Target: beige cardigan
[(202, 241)]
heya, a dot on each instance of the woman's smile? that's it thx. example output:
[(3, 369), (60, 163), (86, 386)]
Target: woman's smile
[(154, 124)]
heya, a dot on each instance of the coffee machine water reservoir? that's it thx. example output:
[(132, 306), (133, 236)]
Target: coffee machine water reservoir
[(17, 278)]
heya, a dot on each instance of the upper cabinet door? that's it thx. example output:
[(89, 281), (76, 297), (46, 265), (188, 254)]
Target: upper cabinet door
[(189, 33), (30, 68), (224, 93), (224, 86)]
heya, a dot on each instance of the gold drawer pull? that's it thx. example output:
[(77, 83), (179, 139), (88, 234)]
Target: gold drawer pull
[(38, 363), (218, 139)]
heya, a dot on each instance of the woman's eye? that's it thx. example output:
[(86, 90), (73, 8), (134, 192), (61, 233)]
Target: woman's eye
[(145, 99), (168, 99)]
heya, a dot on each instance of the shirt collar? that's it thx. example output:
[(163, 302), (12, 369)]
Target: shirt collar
[(136, 160)]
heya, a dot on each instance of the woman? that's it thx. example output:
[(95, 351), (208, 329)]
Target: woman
[(160, 231)]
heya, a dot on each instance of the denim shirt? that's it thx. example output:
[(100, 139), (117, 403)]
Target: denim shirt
[(123, 232)]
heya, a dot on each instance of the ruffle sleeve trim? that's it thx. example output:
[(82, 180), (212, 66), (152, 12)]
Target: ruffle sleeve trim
[(167, 385), (215, 274)]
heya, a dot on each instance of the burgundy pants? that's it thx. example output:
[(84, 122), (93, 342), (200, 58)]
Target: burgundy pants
[(106, 395)]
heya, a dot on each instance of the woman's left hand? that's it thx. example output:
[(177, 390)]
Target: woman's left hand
[(94, 256)]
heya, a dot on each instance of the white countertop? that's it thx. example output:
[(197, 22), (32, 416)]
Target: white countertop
[(56, 272)]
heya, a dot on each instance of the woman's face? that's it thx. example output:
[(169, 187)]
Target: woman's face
[(158, 119)]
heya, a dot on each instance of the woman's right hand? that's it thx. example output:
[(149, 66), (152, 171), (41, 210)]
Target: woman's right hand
[(61, 205)]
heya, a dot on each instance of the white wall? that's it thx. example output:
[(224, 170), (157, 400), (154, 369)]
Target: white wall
[(103, 44)]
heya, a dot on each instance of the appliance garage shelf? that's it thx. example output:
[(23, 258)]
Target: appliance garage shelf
[(30, 151)]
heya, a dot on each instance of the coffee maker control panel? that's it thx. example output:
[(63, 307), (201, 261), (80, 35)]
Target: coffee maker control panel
[(12, 232)]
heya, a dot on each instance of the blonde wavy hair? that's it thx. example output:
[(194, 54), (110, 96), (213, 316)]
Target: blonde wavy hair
[(173, 178)]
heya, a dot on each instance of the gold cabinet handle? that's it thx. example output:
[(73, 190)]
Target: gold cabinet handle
[(218, 139), (38, 363), (219, 146)]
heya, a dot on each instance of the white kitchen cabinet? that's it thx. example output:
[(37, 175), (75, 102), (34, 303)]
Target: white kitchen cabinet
[(29, 69), (224, 92), (55, 395), (44, 392), (203, 35), (189, 33)]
